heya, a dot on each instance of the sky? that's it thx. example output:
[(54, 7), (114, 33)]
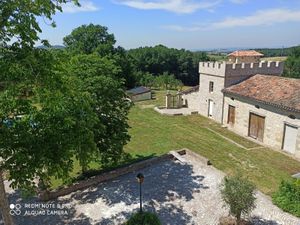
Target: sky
[(189, 24)]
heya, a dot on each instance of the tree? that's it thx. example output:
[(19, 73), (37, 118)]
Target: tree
[(238, 195), (44, 122), (18, 33), (145, 79), (99, 78), (292, 64), (18, 21), (156, 60), (95, 39), (91, 38)]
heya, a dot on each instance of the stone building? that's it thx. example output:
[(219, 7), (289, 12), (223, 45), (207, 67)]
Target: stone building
[(252, 99), (215, 76), (265, 108), (244, 56)]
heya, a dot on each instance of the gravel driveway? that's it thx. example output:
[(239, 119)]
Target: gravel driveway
[(180, 193)]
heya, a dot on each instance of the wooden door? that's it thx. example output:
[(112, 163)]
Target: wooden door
[(290, 138), (256, 126), (231, 115), (210, 108)]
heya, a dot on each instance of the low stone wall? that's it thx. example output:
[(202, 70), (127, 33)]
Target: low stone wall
[(48, 195)]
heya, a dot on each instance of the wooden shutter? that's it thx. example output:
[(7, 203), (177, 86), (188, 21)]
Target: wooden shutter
[(231, 114)]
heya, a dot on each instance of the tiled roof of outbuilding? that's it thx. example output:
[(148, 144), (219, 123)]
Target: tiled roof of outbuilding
[(138, 90), (273, 90), (245, 53)]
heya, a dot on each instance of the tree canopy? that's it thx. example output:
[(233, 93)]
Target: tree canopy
[(292, 64), (18, 21), (87, 39), (159, 59)]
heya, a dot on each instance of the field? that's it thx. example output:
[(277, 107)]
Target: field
[(155, 134)]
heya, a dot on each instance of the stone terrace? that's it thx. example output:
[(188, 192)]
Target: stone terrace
[(179, 192)]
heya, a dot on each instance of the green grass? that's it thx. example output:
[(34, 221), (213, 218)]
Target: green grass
[(152, 133)]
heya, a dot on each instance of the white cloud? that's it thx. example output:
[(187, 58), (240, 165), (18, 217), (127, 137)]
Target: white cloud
[(177, 6), (260, 18), (238, 1), (86, 6)]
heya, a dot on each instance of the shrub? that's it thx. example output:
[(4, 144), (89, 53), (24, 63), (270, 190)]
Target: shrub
[(144, 218), (288, 197), (238, 195)]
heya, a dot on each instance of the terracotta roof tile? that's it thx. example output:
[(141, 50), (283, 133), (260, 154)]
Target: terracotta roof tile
[(245, 53), (274, 90)]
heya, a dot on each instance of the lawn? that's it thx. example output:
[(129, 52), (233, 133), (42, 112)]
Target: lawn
[(155, 134)]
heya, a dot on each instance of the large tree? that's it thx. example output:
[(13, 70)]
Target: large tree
[(100, 79), (33, 101), (87, 39), (95, 39)]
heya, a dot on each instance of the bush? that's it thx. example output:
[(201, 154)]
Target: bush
[(144, 218), (238, 194), (288, 197)]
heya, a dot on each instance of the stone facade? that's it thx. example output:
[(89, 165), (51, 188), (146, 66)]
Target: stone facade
[(224, 75), (245, 59), (214, 77), (275, 120)]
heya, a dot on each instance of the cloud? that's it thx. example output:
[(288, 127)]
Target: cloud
[(238, 1), (86, 6), (259, 18), (177, 6)]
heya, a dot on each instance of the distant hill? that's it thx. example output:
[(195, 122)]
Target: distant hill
[(268, 52), (275, 52)]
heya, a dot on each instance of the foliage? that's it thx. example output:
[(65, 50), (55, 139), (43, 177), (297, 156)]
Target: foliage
[(288, 197), (159, 59), (238, 195), (99, 79), (18, 21), (44, 121), (144, 218), (292, 64), (275, 52), (91, 38), (95, 39), (167, 81)]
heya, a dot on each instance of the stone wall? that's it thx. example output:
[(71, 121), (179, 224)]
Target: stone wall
[(216, 96), (275, 119), (192, 100), (238, 72), (48, 195)]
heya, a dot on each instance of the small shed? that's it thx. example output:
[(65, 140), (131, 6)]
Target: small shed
[(139, 94)]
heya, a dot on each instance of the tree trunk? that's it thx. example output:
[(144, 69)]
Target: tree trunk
[(4, 205), (238, 219)]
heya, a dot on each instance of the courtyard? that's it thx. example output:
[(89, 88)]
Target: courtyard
[(180, 192)]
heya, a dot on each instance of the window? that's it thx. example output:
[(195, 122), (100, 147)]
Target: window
[(231, 115), (211, 86)]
